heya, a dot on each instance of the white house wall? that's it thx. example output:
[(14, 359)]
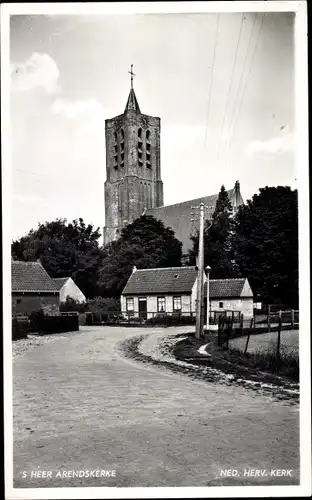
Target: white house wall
[(70, 289), (152, 303), (194, 292), (244, 305)]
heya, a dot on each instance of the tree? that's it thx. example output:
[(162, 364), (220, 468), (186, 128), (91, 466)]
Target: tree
[(64, 249), (218, 252), (146, 243), (265, 243)]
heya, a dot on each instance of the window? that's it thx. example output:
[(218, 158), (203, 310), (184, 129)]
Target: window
[(130, 304), (148, 160), (148, 147), (177, 304), (148, 133), (161, 304), (140, 133), (221, 305)]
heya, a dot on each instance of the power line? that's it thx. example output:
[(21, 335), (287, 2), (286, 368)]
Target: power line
[(243, 72), (211, 79), (231, 82), (245, 87)]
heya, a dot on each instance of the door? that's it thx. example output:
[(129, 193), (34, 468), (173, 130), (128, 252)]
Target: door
[(142, 307)]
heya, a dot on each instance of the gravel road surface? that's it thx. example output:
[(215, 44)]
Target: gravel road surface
[(79, 405)]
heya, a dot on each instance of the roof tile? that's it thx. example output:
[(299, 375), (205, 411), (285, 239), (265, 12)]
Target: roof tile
[(31, 277), (161, 280), (231, 287), (60, 282)]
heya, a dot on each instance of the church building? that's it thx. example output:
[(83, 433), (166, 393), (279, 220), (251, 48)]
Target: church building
[(133, 184)]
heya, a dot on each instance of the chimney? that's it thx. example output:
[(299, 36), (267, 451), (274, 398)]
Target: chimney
[(134, 269)]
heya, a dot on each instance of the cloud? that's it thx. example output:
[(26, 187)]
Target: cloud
[(39, 70), (89, 111), (278, 144)]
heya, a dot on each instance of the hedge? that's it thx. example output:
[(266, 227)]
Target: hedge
[(171, 320), (20, 327), (58, 324)]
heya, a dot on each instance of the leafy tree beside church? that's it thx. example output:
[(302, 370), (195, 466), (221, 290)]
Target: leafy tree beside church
[(146, 243), (64, 249), (218, 233), (265, 243)]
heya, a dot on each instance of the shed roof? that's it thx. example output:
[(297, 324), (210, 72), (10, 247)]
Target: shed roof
[(231, 287), (161, 280), (31, 277), (60, 282)]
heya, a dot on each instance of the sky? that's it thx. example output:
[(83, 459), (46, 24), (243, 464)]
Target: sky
[(223, 86)]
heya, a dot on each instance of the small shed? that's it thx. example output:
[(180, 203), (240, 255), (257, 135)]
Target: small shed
[(68, 288), (231, 294)]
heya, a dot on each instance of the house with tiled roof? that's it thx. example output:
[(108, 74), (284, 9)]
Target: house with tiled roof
[(174, 289), (32, 289), (68, 288), (232, 294)]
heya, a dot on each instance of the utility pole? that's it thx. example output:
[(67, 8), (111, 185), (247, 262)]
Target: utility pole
[(200, 264)]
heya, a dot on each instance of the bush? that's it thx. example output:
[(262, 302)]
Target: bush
[(73, 305), (36, 320), (88, 318), (134, 319), (103, 304)]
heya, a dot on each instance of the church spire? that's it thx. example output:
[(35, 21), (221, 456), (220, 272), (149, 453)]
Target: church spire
[(132, 103)]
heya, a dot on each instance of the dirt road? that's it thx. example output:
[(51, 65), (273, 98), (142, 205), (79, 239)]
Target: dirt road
[(79, 406)]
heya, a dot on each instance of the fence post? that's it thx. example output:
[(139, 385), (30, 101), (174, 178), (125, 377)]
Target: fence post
[(247, 342), (251, 322), (242, 323), (229, 332), (292, 319), (269, 318), (279, 339), (219, 330)]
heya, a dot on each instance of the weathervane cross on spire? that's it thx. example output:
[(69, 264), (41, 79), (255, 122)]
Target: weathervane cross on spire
[(132, 75)]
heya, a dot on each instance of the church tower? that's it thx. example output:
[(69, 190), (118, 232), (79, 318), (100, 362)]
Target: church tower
[(133, 182)]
